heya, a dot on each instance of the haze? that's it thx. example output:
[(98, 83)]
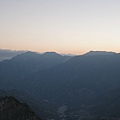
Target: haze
[(63, 26)]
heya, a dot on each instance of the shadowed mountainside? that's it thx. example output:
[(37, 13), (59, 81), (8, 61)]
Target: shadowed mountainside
[(12, 109), (23, 65)]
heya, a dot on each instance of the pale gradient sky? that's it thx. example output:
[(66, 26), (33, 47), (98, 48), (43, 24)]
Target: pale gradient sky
[(63, 26)]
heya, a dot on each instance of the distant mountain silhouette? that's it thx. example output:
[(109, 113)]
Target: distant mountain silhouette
[(90, 53), (8, 54)]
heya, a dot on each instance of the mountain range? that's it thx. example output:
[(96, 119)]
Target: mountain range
[(82, 87)]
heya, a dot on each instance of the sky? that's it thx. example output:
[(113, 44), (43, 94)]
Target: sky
[(63, 26)]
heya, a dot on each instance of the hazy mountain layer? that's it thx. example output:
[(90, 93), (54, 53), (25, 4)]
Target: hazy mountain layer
[(8, 54), (23, 65)]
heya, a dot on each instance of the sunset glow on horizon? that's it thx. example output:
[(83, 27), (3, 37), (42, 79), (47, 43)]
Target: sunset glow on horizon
[(63, 26)]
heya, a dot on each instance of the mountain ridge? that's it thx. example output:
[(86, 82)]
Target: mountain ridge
[(91, 53), (83, 84)]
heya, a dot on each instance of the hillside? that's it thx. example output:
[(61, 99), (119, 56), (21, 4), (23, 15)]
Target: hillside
[(11, 109), (41, 108), (23, 65), (84, 84)]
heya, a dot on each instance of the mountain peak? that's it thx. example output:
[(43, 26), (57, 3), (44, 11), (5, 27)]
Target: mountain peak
[(29, 53), (51, 54), (26, 56), (91, 53)]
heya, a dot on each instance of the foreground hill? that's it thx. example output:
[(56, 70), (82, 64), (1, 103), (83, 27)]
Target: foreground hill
[(42, 108), (11, 109)]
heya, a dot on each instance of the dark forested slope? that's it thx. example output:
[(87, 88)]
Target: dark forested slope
[(12, 109)]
